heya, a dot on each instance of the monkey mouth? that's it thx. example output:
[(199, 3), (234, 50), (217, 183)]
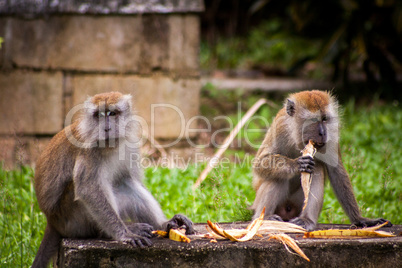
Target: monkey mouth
[(317, 145)]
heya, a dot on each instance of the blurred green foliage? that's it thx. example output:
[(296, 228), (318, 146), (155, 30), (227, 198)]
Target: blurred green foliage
[(339, 40), (265, 47)]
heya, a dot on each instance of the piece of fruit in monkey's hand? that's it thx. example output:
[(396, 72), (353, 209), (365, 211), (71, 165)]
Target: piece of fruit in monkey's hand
[(309, 150)]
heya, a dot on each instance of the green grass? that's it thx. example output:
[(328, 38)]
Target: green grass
[(21, 223), (371, 147)]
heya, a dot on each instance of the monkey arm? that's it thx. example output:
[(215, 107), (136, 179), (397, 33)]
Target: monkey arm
[(93, 190), (99, 206), (343, 189)]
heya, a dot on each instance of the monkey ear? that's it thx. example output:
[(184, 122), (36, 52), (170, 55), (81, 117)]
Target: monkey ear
[(125, 102), (290, 107)]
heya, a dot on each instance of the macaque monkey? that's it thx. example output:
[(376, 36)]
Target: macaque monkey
[(308, 115), (88, 186)]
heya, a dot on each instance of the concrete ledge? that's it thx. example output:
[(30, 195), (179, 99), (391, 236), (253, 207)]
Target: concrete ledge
[(368, 252), (267, 84), (35, 7)]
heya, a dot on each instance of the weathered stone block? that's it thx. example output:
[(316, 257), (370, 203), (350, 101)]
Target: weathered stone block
[(30, 102), (129, 44), (372, 252), (184, 42), (35, 147), (154, 47), (77, 43), (166, 105), (7, 152)]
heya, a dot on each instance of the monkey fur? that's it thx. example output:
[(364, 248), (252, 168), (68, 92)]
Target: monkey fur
[(87, 189), (307, 115)]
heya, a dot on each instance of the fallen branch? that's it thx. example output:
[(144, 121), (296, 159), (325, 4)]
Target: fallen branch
[(215, 159)]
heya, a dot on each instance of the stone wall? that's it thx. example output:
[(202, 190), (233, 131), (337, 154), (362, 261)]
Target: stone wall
[(56, 55)]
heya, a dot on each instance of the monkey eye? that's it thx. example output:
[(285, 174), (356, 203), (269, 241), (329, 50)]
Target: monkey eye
[(107, 113), (99, 114), (324, 118), (314, 120)]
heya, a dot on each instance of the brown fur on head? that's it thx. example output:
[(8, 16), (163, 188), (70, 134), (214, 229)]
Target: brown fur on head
[(312, 100), (108, 98)]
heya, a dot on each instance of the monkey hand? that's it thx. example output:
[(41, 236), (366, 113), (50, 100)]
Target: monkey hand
[(306, 164), (365, 222), (307, 224), (141, 229), (136, 240), (179, 220)]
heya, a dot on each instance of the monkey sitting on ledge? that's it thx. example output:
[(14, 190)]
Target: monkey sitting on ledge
[(88, 186), (308, 115)]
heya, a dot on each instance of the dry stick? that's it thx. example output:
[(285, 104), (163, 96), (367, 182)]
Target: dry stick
[(214, 160)]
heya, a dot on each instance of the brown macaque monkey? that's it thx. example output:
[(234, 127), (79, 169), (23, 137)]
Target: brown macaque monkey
[(308, 115), (88, 181)]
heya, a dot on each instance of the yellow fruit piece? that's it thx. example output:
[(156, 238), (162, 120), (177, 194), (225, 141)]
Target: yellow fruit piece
[(349, 233), (176, 235), (160, 233)]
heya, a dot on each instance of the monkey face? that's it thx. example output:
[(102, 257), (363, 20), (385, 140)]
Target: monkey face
[(315, 129), (106, 120)]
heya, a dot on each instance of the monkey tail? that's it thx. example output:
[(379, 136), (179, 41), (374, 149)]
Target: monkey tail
[(48, 247)]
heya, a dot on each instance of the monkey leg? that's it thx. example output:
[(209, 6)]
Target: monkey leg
[(309, 216), (270, 194)]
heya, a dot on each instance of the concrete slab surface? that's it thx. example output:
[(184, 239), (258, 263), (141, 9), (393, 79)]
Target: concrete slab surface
[(259, 252)]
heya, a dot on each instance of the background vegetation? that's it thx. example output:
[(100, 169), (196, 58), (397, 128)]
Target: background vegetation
[(347, 41), (371, 151)]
